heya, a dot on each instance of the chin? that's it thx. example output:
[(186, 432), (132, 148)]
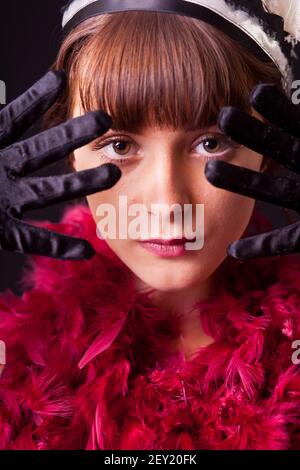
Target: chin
[(169, 275), (170, 279)]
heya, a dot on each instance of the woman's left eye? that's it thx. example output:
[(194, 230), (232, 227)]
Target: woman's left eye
[(214, 146)]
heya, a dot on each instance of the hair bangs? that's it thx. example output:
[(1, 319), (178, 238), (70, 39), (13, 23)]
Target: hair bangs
[(162, 70)]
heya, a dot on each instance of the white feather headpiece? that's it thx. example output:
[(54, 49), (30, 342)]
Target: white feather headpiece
[(289, 10)]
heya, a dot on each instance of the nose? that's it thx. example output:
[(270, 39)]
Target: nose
[(165, 182)]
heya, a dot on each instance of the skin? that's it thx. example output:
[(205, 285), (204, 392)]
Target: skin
[(167, 166)]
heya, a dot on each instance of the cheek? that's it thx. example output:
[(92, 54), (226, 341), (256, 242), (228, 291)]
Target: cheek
[(227, 216), (84, 160), (110, 197)]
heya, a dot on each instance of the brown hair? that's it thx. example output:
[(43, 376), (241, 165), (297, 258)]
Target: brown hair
[(150, 68)]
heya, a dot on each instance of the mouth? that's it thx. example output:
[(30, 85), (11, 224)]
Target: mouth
[(167, 248)]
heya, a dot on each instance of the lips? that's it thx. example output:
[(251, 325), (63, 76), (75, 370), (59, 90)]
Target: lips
[(171, 248), (174, 241)]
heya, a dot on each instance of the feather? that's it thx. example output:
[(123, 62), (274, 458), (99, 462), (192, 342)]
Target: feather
[(289, 10), (102, 342), (130, 390)]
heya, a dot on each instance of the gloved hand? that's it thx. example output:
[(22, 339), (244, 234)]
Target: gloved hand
[(279, 141), (19, 192)]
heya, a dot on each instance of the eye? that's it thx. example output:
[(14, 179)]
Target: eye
[(214, 146), (114, 148)]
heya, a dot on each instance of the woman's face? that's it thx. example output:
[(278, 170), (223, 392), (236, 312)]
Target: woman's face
[(163, 166)]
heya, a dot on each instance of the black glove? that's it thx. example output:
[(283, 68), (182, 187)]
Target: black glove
[(280, 142), (19, 193)]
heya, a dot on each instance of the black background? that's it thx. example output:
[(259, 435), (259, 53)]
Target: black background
[(30, 35)]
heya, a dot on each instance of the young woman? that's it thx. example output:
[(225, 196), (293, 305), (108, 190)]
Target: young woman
[(124, 343)]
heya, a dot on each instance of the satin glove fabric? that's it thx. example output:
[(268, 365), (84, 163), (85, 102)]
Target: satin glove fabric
[(20, 191), (278, 140)]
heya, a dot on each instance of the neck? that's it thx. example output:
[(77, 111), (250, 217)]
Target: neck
[(182, 305)]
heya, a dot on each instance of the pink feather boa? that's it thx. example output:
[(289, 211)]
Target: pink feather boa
[(88, 365)]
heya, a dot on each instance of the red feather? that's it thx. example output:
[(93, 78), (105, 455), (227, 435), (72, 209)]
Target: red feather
[(89, 366)]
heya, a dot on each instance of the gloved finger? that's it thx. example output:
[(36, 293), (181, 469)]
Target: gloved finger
[(53, 144), (276, 107), (280, 190), (282, 241), (264, 139), (41, 192), (25, 238), (21, 113)]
